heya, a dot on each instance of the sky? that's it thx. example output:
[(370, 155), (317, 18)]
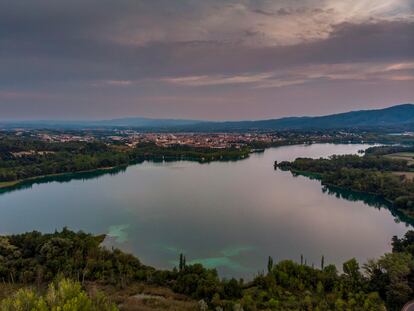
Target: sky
[(203, 59)]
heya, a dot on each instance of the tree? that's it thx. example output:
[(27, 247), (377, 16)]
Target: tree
[(181, 263), (65, 295), (269, 264), (397, 266), (353, 276), (232, 289)]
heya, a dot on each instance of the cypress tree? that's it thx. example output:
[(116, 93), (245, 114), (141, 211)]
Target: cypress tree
[(269, 264), (181, 264)]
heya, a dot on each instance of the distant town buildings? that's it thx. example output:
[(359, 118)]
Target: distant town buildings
[(131, 138)]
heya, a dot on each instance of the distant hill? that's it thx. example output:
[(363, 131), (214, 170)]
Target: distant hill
[(147, 122), (134, 122), (393, 118), (400, 116)]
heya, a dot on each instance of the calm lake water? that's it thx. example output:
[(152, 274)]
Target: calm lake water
[(228, 215)]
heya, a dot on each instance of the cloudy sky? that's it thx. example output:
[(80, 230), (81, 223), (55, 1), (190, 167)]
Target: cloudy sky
[(203, 59)]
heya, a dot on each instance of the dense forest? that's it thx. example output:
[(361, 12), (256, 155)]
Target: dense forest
[(22, 159), (388, 149), (33, 259), (371, 173)]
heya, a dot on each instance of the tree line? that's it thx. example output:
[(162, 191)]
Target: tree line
[(22, 159), (35, 258), (367, 174)]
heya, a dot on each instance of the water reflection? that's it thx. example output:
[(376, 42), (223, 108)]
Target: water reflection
[(62, 178), (227, 215), (93, 174), (370, 200)]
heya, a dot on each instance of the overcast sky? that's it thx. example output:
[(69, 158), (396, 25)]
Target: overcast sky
[(203, 59)]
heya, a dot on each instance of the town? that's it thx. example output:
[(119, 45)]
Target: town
[(131, 138)]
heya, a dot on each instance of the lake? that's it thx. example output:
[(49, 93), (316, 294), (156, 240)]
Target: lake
[(227, 215)]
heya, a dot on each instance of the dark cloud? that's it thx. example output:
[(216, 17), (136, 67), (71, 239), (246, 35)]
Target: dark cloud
[(94, 59), (263, 12), (72, 46), (284, 11), (292, 11)]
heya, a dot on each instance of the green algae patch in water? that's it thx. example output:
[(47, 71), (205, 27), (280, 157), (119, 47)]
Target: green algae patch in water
[(118, 232)]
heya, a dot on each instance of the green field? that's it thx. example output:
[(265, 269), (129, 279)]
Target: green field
[(408, 175), (408, 156)]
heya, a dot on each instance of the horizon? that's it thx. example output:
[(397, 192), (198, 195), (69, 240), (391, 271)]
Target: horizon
[(203, 60), (198, 120)]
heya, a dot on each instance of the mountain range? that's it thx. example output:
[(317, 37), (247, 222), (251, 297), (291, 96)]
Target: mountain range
[(399, 117)]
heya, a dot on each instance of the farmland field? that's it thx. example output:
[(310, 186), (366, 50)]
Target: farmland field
[(408, 175), (409, 156)]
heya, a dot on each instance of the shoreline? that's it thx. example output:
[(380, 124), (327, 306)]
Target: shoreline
[(11, 184), (5, 185), (318, 177)]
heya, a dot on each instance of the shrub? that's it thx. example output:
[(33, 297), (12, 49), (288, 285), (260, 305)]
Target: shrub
[(66, 295)]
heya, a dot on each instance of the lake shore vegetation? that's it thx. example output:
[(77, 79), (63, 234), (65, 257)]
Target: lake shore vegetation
[(374, 173), (32, 260)]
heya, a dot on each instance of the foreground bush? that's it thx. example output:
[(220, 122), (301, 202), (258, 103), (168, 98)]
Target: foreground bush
[(66, 295), (35, 258)]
